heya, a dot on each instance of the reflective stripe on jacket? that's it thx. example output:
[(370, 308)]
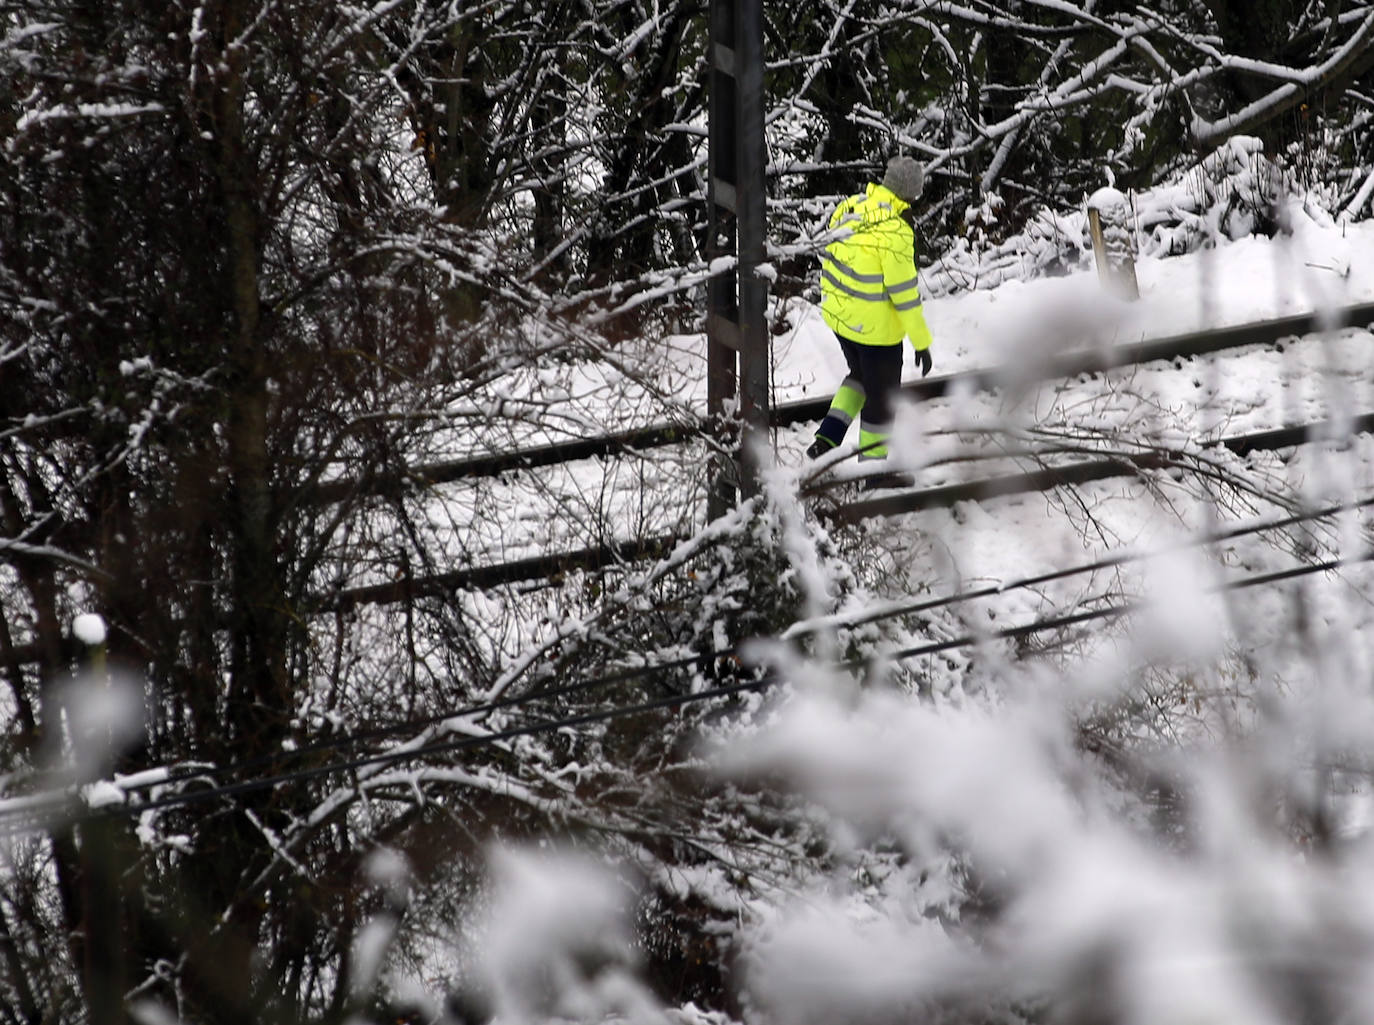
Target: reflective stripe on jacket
[(868, 278)]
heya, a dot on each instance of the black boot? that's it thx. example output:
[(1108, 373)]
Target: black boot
[(819, 447)]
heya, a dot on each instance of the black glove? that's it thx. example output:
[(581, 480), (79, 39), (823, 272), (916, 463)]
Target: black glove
[(923, 360)]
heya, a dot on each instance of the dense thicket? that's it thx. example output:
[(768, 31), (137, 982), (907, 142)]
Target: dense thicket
[(248, 247)]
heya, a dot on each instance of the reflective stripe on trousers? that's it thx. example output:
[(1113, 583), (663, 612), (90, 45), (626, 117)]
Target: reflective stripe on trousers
[(875, 373)]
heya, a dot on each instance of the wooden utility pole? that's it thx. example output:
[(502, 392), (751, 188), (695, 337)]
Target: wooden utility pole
[(736, 328)]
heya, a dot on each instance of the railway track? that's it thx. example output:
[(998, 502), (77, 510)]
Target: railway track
[(1089, 470), (1069, 364), (1084, 470)]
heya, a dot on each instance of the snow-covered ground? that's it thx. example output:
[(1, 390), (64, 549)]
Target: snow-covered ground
[(1316, 266)]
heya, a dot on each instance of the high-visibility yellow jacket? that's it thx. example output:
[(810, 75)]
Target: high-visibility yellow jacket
[(868, 278)]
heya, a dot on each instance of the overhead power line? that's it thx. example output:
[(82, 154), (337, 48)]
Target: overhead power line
[(804, 628), (1112, 561), (387, 758)]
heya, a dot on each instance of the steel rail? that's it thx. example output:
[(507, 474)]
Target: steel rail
[(1068, 364), (552, 566), (1089, 470)]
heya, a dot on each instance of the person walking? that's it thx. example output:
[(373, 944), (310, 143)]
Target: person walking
[(870, 300)]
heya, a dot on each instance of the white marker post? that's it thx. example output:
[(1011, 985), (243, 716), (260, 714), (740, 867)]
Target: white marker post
[(1109, 214)]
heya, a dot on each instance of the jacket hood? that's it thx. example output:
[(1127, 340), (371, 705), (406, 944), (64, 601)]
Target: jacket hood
[(882, 194)]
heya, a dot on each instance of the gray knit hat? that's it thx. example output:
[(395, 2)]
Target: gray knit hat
[(905, 178)]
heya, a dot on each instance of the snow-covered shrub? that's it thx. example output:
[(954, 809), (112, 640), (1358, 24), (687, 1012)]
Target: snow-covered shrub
[(1050, 243), (1233, 192), (1160, 816), (557, 944), (1205, 872)]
